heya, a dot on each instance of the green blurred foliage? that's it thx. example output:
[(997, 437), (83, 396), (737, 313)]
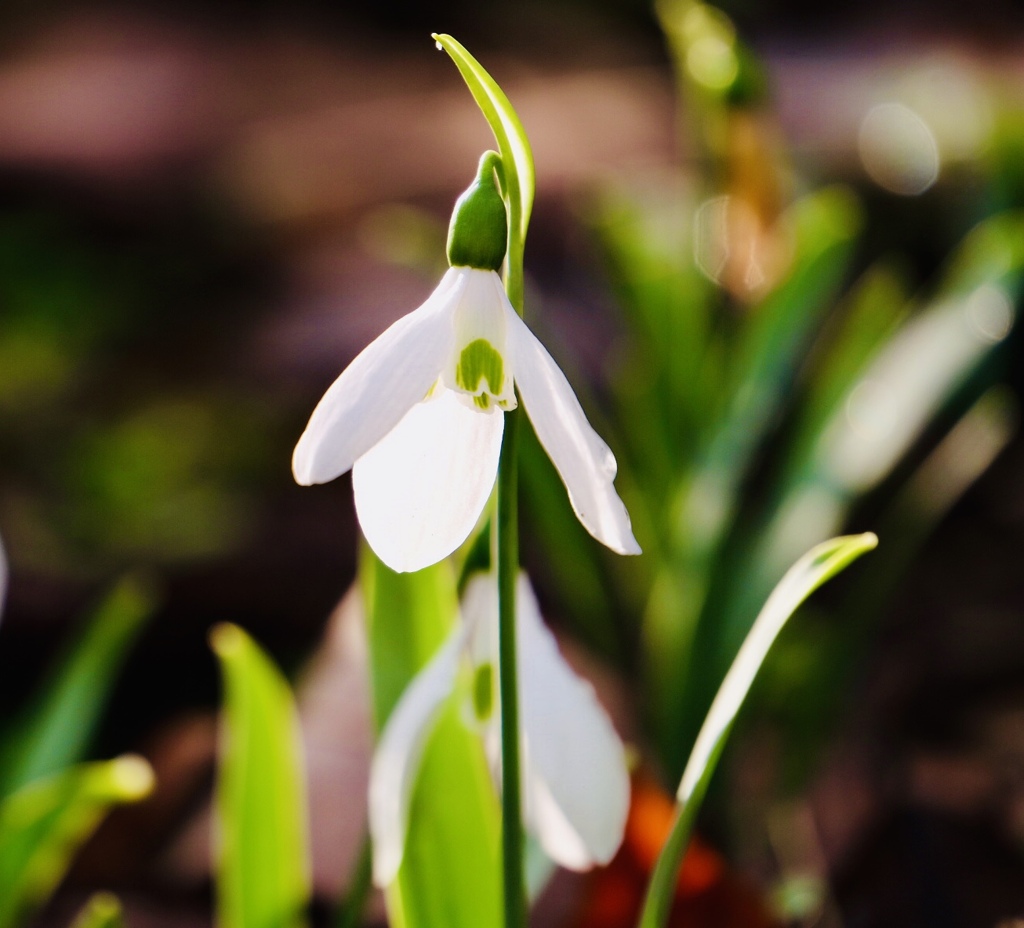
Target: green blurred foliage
[(262, 856), (55, 728), (111, 455), (103, 910), (50, 800), (44, 823), (814, 568), (780, 380)]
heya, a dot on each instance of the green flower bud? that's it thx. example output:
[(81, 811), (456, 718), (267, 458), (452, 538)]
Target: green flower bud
[(478, 234)]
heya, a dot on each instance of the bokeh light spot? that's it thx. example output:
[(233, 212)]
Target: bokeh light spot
[(898, 149)]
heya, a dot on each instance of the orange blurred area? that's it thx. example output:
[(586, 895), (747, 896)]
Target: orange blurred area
[(708, 893)]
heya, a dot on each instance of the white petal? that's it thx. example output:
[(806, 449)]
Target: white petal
[(584, 462), (390, 375), (482, 314), (479, 608), (396, 762), (420, 490), (576, 783)]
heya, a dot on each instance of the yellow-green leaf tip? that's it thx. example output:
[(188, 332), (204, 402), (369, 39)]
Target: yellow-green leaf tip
[(867, 541), (102, 909), (133, 777), (226, 640)]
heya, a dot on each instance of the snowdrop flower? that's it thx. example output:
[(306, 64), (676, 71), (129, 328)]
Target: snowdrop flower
[(575, 782), (418, 415)]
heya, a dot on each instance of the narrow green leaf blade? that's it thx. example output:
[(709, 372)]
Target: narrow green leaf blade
[(516, 157), (43, 824), (58, 724), (513, 144), (450, 873), (768, 356), (680, 627), (816, 567), (263, 876)]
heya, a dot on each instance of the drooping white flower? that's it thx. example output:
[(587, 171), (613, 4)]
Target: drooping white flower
[(574, 778), (418, 418)]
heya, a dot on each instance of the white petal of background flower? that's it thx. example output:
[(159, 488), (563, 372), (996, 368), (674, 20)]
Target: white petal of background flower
[(559, 840), (396, 761), (584, 462), (390, 375), (479, 608), (420, 490), (576, 784)]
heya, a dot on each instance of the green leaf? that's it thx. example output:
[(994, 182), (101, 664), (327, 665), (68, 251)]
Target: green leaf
[(450, 873), (263, 878), (879, 412), (566, 553), (103, 910), (807, 502), (991, 253), (666, 386), (678, 625), (826, 224), (872, 311), (56, 729), (43, 824), (816, 691), (817, 566), (513, 146)]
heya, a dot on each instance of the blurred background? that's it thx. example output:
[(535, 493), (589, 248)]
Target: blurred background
[(776, 246)]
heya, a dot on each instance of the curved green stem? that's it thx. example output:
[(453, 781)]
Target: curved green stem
[(513, 865), (513, 844)]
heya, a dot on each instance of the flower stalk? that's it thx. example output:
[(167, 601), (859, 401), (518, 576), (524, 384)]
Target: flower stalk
[(506, 549), (507, 558)]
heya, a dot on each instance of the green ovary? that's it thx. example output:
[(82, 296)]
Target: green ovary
[(480, 361), (483, 692)]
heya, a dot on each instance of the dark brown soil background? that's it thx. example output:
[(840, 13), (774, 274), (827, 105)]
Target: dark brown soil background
[(219, 181)]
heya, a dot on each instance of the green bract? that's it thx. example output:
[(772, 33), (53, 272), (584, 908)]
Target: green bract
[(478, 234)]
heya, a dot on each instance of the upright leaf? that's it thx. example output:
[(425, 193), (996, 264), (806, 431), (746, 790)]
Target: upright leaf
[(43, 824), (513, 146), (56, 728), (817, 566), (678, 624), (103, 910), (263, 878)]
